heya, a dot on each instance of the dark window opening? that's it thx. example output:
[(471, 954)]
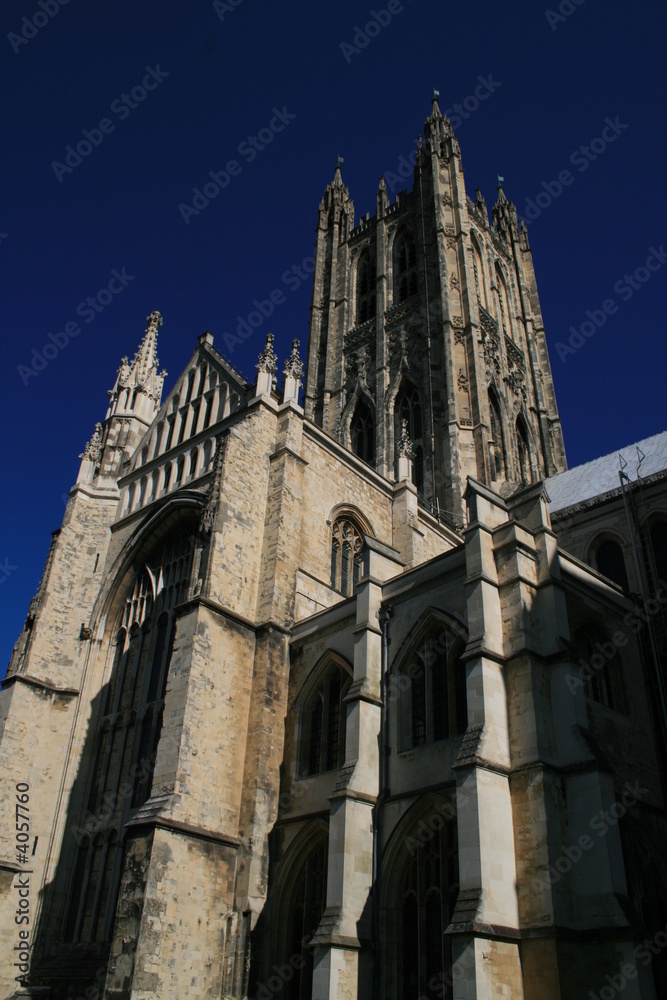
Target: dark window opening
[(523, 451), (362, 434), (611, 562), (366, 289), (323, 725), (405, 268), (306, 907), (496, 446), (428, 891), (408, 408), (433, 703)]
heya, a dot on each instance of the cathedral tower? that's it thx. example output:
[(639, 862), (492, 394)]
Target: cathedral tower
[(287, 733), (428, 313)]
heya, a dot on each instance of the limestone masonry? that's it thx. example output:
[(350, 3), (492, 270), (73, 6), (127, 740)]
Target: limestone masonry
[(360, 697)]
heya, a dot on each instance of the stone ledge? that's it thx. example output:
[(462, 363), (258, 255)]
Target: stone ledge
[(39, 684), (185, 829)]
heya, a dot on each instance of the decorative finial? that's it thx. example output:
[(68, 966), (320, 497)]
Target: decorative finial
[(294, 364), (93, 449), (154, 322), (268, 360)]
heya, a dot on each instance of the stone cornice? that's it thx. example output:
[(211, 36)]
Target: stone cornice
[(41, 685), (185, 829)]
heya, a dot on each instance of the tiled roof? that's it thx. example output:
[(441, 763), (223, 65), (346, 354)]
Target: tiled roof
[(585, 482)]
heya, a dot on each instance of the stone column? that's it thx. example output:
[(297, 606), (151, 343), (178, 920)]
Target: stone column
[(343, 942)]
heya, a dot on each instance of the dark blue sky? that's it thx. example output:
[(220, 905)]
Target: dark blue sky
[(218, 73)]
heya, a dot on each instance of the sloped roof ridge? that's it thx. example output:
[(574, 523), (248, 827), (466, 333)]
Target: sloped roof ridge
[(599, 476)]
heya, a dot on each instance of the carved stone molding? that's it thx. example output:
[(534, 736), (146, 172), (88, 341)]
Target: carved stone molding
[(516, 373), (93, 449), (268, 359)]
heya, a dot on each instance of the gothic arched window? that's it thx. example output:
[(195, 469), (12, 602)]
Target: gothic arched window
[(362, 433), (405, 267), (305, 907), (432, 686), (496, 446), (322, 737), (603, 675), (347, 541), (127, 736), (610, 561), (504, 302), (408, 408), (478, 268), (427, 891), (658, 534), (523, 450), (365, 288)]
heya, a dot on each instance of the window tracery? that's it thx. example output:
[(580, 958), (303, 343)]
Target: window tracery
[(127, 737), (346, 548)]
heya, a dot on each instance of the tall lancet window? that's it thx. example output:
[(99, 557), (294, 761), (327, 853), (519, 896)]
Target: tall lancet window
[(365, 288), (504, 301), (305, 902), (322, 739), (427, 892), (496, 446), (346, 545), (523, 450), (405, 268), (362, 433), (478, 267), (408, 408), (124, 741)]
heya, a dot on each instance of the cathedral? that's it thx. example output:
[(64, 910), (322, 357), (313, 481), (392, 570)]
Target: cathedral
[(341, 684)]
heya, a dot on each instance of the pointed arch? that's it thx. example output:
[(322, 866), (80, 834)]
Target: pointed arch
[(523, 450), (126, 738), (366, 287), (429, 679), (408, 407), (497, 450), (404, 266), (321, 712), (504, 302), (605, 553), (362, 433), (347, 543), (479, 271), (420, 879), (359, 395), (299, 903)]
